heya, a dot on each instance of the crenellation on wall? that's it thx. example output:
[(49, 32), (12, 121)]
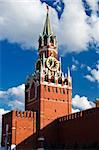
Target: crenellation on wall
[(80, 114), (23, 114)]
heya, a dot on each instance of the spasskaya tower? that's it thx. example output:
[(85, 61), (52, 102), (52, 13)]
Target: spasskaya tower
[(48, 91)]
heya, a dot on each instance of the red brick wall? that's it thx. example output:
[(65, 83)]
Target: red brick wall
[(22, 126), (50, 134), (80, 128), (54, 104)]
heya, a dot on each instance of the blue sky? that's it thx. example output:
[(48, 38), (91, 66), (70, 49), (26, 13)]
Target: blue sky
[(76, 26)]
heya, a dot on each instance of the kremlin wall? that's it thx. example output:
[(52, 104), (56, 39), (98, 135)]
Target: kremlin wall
[(48, 121), (77, 130)]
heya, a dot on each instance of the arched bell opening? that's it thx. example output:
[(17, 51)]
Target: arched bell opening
[(66, 81), (60, 80), (40, 41), (46, 78), (52, 79), (52, 39), (45, 40)]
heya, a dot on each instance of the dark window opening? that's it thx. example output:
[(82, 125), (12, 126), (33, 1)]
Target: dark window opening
[(56, 90), (67, 91), (45, 40), (32, 91), (52, 39), (60, 80), (63, 91), (48, 89), (66, 82), (40, 42), (46, 78), (52, 80), (45, 87)]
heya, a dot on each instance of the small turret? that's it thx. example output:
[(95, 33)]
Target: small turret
[(69, 77)]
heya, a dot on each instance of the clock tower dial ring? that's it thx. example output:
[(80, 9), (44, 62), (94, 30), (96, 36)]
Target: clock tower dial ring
[(52, 63)]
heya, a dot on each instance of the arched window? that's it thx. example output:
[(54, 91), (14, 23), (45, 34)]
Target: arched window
[(60, 80), (45, 40), (63, 91), (32, 91), (56, 90), (66, 81), (52, 39), (48, 89), (46, 78), (52, 79), (40, 41)]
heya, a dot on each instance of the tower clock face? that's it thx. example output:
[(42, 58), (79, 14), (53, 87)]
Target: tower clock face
[(52, 63)]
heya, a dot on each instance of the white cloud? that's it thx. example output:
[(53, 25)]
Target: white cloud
[(90, 78), (75, 30), (73, 68), (16, 104), (94, 73), (17, 91), (75, 61), (94, 24), (88, 68), (75, 110), (81, 103), (22, 21), (97, 51), (93, 5), (2, 111), (2, 93), (82, 66), (13, 97), (75, 64)]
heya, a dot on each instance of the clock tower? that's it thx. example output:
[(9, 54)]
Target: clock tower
[(48, 91)]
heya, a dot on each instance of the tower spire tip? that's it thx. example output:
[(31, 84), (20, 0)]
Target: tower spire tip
[(47, 7)]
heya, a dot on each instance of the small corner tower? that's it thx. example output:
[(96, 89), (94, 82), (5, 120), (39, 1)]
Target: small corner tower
[(48, 91)]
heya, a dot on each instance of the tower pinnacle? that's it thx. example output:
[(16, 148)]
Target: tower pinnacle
[(47, 8), (69, 77), (68, 72), (47, 26)]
